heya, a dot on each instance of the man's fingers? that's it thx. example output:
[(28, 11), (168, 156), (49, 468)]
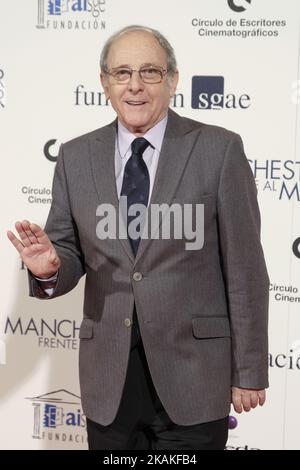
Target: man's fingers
[(261, 397), (254, 399), (27, 229), (15, 241), (39, 233), (244, 399), (24, 238), (246, 402), (31, 234), (237, 407), (237, 401)]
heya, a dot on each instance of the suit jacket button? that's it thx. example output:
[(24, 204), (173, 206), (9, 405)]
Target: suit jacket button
[(127, 322), (137, 276)]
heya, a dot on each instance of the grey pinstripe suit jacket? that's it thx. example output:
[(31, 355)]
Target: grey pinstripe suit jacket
[(202, 314)]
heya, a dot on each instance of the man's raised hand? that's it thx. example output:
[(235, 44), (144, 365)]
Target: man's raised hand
[(35, 248)]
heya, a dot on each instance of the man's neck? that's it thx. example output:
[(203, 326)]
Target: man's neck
[(140, 132)]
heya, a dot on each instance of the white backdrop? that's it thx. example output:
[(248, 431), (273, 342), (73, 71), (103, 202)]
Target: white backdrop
[(50, 93)]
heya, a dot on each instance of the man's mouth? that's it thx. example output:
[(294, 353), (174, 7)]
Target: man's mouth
[(135, 103)]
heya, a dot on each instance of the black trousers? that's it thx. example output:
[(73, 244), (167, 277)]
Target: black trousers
[(143, 424)]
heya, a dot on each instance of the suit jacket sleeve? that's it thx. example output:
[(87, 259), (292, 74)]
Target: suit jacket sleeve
[(62, 231), (244, 269)]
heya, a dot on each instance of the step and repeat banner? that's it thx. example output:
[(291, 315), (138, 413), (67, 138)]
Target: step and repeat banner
[(239, 68)]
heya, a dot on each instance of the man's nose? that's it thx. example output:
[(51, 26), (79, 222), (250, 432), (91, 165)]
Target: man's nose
[(135, 83)]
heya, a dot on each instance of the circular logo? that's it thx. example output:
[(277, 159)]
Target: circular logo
[(296, 247), (239, 5), (47, 153)]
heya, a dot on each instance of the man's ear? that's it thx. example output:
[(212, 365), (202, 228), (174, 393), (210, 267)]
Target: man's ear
[(104, 83)]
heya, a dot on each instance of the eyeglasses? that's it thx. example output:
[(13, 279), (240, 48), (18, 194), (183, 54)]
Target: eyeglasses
[(149, 74)]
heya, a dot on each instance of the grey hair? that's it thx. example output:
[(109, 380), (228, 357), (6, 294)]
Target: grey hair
[(171, 60)]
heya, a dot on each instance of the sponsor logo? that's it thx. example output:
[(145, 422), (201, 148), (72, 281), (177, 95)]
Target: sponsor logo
[(296, 247), (239, 26), (57, 416), (85, 97), (49, 153), (284, 293), (208, 92), (37, 195), (239, 5), (290, 360), (49, 334), (279, 177), (71, 14)]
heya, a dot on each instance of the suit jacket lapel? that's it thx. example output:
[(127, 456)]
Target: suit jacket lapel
[(177, 146), (103, 170)]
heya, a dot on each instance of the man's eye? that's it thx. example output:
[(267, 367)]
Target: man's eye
[(150, 71), (123, 73)]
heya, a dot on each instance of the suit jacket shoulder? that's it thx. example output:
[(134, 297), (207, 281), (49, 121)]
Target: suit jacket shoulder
[(78, 148), (186, 125)]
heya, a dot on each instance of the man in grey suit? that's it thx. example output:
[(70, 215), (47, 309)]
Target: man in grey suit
[(170, 336)]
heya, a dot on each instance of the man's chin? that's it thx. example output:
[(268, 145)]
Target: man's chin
[(137, 126)]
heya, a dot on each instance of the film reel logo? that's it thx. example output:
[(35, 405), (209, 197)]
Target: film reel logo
[(239, 5)]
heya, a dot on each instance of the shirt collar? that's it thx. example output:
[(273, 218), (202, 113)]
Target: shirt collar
[(154, 135)]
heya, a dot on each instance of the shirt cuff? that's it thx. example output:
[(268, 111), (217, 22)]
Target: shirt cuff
[(48, 285)]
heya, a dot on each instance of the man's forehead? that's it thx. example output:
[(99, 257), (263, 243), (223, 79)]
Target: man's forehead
[(136, 48)]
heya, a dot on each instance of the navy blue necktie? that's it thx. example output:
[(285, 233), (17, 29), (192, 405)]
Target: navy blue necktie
[(135, 186), (136, 182)]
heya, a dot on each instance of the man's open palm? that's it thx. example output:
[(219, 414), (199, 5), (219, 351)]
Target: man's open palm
[(35, 248)]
